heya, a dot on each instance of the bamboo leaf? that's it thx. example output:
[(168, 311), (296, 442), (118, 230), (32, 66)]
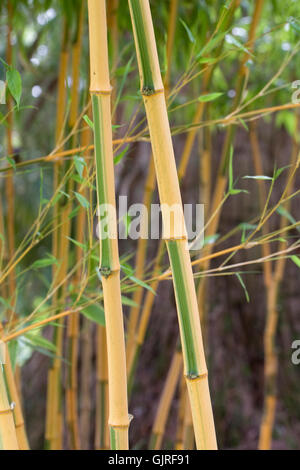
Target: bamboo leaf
[(209, 97), (258, 177), (14, 84), (243, 286), (94, 313), (11, 161), (188, 31), (79, 164), (43, 263), (82, 200), (296, 260), (121, 155), (38, 340), (88, 121)]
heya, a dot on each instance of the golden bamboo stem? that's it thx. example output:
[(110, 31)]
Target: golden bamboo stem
[(100, 92), (174, 229)]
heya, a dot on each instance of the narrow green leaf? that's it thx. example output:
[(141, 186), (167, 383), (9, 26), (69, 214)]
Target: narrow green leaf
[(209, 97), (82, 200), (88, 121), (189, 32), (243, 286), (94, 313), (43, 263), (296, 260), (258, 177), (121, 155), (14, 84)]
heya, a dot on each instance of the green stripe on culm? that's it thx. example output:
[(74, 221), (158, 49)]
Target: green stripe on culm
[(147, 79), (105, 255), (183, 308), (113, 439)]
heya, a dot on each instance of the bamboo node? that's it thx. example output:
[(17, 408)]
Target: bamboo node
[(106, 272), (8, 410), (148, 91), (101, 92), (196, 377)]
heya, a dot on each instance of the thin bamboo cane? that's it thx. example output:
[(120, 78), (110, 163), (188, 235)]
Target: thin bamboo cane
[(109, 258), (53, 417), (205, 194), (85, 383), (225, 19), (221, 181), (86, 350), (73, 320), (144, 320), (170, 42), (174, 231), (273, 281), (165, 401), (9, 181), (112, 23), (140, 264), (257, 160)]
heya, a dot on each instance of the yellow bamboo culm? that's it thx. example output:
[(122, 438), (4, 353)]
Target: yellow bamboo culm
[(8, 435), (174, 231), (14, 397), (134, 338), (100, 90)]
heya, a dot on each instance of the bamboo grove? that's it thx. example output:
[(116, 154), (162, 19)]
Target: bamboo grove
[(114, 335)]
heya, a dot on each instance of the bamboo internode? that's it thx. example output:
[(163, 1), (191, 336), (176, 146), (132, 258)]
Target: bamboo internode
[(109, 258), (169, 192)]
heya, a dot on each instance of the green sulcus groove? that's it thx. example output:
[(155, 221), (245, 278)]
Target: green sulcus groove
[(113, 438), (147, 79), (183, 309), (105, 255)]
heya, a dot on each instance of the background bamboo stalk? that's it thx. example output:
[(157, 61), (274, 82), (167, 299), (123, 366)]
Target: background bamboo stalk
[(165, 401), (9, 180), (273, 281), (190, 330), (73, 320), (53, 415), (226, 17), (109, 258), (139, 272), (221, 181)]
